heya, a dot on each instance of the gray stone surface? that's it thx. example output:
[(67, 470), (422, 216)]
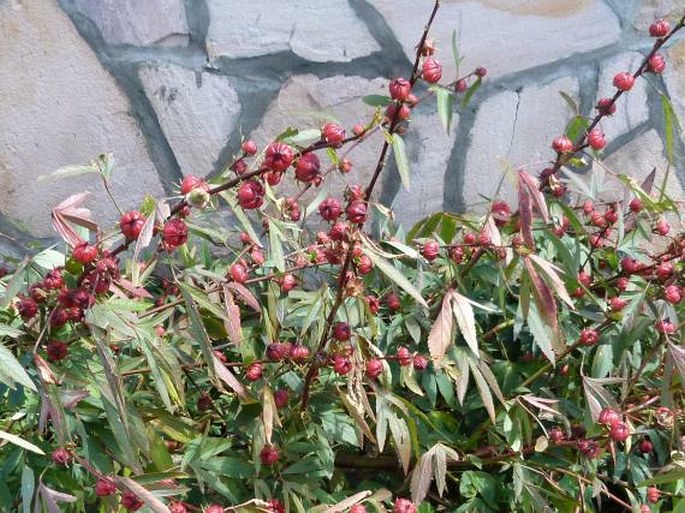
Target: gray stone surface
[(138, 22), (429, 148), (675, 79), (197, 112), (637, 159), (317, 30), (170, 86), (62, 109), (631, 109), (511, 131), (504, 35), (650, 10)]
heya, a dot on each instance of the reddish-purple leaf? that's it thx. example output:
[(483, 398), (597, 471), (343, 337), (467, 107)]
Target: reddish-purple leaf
[(542, 295), (440, 336), (245, 294), (52, 498), (533, 187), (232, 322), (526, 217), (551, 276), (72, 211), (143, 494), (463, 312), (345, 504), (648, 182), (229, 378)]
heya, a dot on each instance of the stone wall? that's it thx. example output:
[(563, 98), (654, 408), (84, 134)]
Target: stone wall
[(171, 86)]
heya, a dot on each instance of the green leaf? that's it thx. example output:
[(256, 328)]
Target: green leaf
[(455, 52), (395, 275), (197, 328), (12, 372), (304, 137), (49, 259), (399, 150), (445, 101), (276, 249), (541, 332), (469, 93), (571, 102), (16, 440), (28, 487), (668, 477), (377, 100), (69, 172), (671, 125)]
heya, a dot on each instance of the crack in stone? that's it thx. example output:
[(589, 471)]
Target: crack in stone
[(516, 117)]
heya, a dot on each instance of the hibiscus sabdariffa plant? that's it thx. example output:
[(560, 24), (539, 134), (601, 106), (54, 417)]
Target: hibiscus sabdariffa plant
[(316, 357)]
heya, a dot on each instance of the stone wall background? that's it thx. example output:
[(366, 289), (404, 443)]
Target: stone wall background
[(170, 86)]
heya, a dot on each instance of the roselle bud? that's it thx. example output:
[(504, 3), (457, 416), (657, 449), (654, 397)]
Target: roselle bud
[(562, 144), (131, 223), (105, 487), (214, 508), (175, 233), (27, 308), (374, 304), (190, 183), (278, 156), (619, 431), (57, 350), (596, 139), (61, 456), (393, 302), (84, 253), (624, 81), (330, 209), (281, 398), (420, 362), (364, 265), (403, 356), (659, 28), (589, 337), (606, 106), (374, 368), (656, 64), (400, 88), (269, 455), (432, 70), (307, 168), (333, 133), (254, 372), (404, 506), (500, 212), (356, 211), (609, 416), (249, 147), (653, 494), (299, 353), (431, 250), (341, 364), (238, 272), (251, 194)]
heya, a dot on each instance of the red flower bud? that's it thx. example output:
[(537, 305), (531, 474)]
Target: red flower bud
[(403, 356), (84, 253), (656, 64), (238, 272), (400, 88), (278, 156), (281, 398), (624, 81), (432, 70), (105, 487), (175, 233), (57, 350), (374, 368), (431, 250), (341, 364), (307, 168), (254, 372), (562, 144), (404, 506), (606, 106), (596, 139), (356, 212), (589, 337), (249, 147), (333, 133), (619, 431), (330, 209), (342, 332), (659, 28), (131, 223), (269, 455), (251, 194)]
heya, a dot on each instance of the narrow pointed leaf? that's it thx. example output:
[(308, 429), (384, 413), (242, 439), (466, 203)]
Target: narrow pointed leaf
[(399, 150), (440, 336), (533, 187), (396, 276), (463, 313)]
